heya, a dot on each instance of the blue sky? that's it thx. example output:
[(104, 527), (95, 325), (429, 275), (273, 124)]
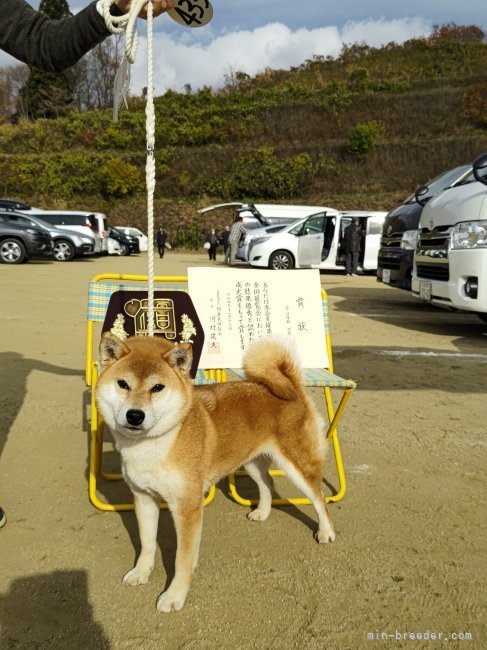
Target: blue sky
[(252, 35), (248, 14)]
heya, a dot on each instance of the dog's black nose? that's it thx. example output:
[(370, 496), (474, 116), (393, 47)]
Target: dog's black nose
[(135, 417)]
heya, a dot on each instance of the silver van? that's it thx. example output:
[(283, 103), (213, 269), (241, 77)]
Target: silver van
[(93, 224)]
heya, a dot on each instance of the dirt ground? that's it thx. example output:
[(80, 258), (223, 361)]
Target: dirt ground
[(410, 553)]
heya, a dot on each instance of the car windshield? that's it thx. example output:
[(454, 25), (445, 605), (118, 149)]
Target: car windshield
[(444, 181), (469, 179)]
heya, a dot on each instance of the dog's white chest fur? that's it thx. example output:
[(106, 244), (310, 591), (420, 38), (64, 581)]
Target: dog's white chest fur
[(145, 466)]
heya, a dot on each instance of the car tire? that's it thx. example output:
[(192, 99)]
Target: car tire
[(63, 250), (281, 261), (124, 250), (12, 251)]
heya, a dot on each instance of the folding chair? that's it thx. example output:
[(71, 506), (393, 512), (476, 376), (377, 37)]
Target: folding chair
[(101, 290), (313, 377)]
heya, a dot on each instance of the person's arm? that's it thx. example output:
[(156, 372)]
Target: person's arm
[(50, 45), (54, 45)]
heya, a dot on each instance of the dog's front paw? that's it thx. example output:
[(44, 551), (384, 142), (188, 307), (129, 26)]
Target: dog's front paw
[(325, 536), (258, 515), (170, 602), (136, 577)]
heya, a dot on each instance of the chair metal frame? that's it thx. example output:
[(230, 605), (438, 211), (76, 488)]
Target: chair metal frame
[(326, 379), (98, 299)]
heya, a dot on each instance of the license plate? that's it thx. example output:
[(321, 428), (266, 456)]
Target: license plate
[(386, 276), (425, 290)]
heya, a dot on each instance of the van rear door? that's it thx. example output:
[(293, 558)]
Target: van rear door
[(99, 224), (373, 229)]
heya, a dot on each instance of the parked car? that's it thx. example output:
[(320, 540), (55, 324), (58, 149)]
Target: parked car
[(113, 246), (256, 217), (316, 242), (243, 248), (450, 260), (93, 224), (138, 234), (13, 204), (21, 243), (67, 244), (126, 243), (400, 230)]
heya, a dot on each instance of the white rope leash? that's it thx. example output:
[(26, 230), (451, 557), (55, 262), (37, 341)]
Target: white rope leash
[(150, 171), (117, 25)]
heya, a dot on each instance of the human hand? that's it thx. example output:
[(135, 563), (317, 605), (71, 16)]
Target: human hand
[(158, 7)]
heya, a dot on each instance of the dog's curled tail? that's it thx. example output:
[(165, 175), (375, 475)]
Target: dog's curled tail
[(274, 363)]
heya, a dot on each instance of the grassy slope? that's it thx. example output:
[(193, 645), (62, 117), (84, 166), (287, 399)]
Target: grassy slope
[(423, 94)]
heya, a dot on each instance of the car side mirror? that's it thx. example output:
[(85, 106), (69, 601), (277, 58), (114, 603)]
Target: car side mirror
[(421, 194), (480, 168)]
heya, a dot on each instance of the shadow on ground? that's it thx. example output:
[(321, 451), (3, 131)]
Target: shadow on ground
[(50, 610)]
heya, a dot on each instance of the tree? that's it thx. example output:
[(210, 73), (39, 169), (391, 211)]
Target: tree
[(362, 138), (12, 79), (94, 75), (457, 33)]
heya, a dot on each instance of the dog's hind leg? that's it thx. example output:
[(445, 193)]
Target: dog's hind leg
[(188, 519), (307, 476), (147, 512), (257, 469)]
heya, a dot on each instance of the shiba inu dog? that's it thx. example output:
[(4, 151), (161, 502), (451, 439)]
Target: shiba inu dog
[(176, 440)]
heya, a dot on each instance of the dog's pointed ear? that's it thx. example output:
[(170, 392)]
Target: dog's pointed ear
[(181, 356), (111, 348)]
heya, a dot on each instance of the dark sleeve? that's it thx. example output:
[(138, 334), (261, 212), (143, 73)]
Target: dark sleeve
[(51, 45)]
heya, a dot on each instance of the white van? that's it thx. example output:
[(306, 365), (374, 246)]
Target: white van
[(258, 217), (89, 223), (450, 261), (316, 242)]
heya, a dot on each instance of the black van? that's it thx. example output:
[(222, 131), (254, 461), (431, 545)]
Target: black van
[(400, 229)]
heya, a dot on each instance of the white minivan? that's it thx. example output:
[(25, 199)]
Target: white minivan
[(259, 218), (316, 242), (257, 215), (450, 261)]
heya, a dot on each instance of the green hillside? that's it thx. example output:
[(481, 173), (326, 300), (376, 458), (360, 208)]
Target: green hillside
[(359, 131)]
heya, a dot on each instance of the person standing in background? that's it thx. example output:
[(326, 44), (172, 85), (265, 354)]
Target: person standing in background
[(226, 245), (212, 239), (352, 244), (161, 239), (237, 231)]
